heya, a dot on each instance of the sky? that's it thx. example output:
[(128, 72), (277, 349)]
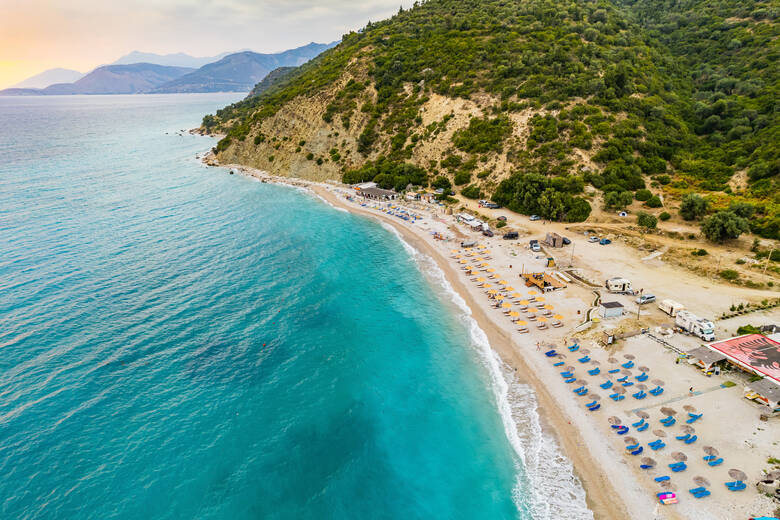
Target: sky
[(36, 35)]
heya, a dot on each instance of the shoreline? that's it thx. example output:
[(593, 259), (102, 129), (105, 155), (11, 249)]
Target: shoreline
[(600, 491)]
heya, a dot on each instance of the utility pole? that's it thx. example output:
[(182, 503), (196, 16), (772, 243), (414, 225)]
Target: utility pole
[(571, 260), (717, 268), (639, 304), (766, 264)]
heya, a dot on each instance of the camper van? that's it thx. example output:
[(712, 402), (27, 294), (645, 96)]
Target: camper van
[(670, 307), (692, 324), (619, 286)]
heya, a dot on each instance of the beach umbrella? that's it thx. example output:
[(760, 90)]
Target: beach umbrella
[(580, 382), (532, 293), (541, 319), (668, 411), (641, 387), (488, 285), (612, 360), (701, 481), (657, 382), (619, 390), (517, 295), (667, 485), (689, 408), (629, 356), (773, 475), (558, 317), (737, 474), (464, 261), (484, 264), (468, 268), (642, 414), (531, 310), (626, 372), (506, 305), (508, 289), (514, 314), (585, 351), (594, 362), (549, 307), (503, 282), (690, 430), (647, 461), (454, 251), (540, 298), (644, 369), (679, 456), (630, 440), (709, 450), (595, 397), (485, 252), (492, 291), (500, 296), (523, 302), (491, 270), (570, 368), (522, 323), (659, 433)]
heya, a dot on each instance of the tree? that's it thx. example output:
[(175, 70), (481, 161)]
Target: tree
[(643, 195), (579, 210), (693, 206), (618, 199), (654, 202), (665, 216), (646, 220), (724, 225), (441, 182), (742, 209), (471, 192)]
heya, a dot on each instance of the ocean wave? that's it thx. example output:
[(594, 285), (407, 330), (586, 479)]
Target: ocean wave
[(546, 483)]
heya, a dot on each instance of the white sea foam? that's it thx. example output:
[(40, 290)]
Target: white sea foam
[(546, 484)]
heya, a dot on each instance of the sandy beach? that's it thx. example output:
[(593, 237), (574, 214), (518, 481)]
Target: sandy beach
[(616, 487)]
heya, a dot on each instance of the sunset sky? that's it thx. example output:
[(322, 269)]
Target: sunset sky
[(36, 35)]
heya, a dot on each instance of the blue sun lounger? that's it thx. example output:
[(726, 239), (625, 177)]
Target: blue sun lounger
[(622, 379), (617, 397), (614, 371), (570, 380), (693, 417), (550, 353), (594, 408), (678, 467), (622, 431), (566, 374), (699, 492), (584, 359), (642, 377), (558, 364), (640, 395), (691, 439), (656, 444), (574, 348), (637, 451), (643, 427), (661, 479), (594, 403), (658, 390), (594, 372), (606, 385), (737, 485), (716, 462), (629, 364), (639, 423), (708, 458), (646, 466), (683, 437), (669, 421), (628, 383), (632, 447)]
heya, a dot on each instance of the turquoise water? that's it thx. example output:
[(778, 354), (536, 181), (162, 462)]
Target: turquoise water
[(176, 342)]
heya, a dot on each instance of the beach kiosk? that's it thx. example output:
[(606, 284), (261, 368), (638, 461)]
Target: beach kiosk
[(611, 309), (766, 392), (705, 358)]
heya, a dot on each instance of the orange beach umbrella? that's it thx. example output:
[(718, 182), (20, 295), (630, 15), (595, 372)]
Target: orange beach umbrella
[(506, 305)]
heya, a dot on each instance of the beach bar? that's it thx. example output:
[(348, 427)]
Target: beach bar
[(766, 392), (376, 193), (705, 358), (543, 281)]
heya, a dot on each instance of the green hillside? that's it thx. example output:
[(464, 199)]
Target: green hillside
[(565, 97)]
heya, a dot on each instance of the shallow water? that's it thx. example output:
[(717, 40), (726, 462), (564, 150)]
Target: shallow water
[(176, 342)]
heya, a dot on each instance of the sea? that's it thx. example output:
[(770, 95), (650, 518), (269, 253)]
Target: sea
[(177, 342)]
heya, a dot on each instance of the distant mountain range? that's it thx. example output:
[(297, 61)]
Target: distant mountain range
[(237, 72), (178, 59), (241, 71), (50, 77)]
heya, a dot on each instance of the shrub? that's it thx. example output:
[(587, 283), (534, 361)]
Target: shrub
[(654, 202), (462, 178), (700, 252), (742, 209), (442, 182), (483, 135), (724, 225), (646, 220), (500, 224), (471, 192), (617, 199), (665, 216), (693, 206), (643, 195), (310, 156), (729, 274), (664, 179), (319, 161)]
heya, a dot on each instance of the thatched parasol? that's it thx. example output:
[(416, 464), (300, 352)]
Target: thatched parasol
[(629, 356), (630, 440), (626, 372), (643, 369), (659, 433), (679, 456), (580, 382), (647, 461), (772, 475), (657, 382), (614, 420), (689, 408), (595, 397), (594, 362), (701, 481), (585, 351), (642, 414), (613, 360), (569, 368), (668, 411), (667, 485), (641, 386), (690, 430), (619, 390), (709, 450), (737, 474)]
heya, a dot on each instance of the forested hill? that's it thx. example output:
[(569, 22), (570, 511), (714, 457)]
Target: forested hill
[(547, 106)]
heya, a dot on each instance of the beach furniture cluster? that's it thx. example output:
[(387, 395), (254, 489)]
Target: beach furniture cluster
[(658, 436)]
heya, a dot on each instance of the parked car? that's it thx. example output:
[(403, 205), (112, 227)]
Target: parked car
[(605, 241), (535, 246), (535, 218), (487, 233), (512, 235), (593, 238), (645, 298), (566, 241), (502, 218), (491, 205)]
